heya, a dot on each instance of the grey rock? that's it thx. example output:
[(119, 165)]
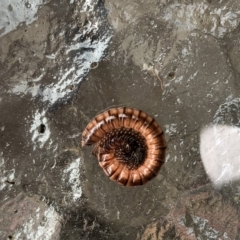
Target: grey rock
[(65, 62), (24, 217)]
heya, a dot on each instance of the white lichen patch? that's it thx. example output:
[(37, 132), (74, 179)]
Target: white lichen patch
[(199, 227), (15, 12), (27, 88), (60, 86), (228, 112), (5, 175), (44, 225), (88, 5), (39, 138), (82, 62), (71, 177), (203, 16), (171, 129), (74, 75)]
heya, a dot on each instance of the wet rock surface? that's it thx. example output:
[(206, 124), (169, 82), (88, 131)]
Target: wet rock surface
[(24, 217), (68, 60), (199, 214)]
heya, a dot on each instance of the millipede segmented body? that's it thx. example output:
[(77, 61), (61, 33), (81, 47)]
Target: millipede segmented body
[(129, 144)]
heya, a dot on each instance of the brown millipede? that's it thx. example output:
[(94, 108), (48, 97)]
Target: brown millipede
[(129, 144)]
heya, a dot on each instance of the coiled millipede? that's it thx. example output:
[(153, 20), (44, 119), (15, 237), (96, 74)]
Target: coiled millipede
[(129, 144)]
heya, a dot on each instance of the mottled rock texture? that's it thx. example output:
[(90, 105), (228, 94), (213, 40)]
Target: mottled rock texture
[(176, 60)]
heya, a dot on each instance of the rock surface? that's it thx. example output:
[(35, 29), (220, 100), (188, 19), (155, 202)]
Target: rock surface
[(199, 214), (24, 217), (62, 62)]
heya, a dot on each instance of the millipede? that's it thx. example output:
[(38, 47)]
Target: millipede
[(129, 145)]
